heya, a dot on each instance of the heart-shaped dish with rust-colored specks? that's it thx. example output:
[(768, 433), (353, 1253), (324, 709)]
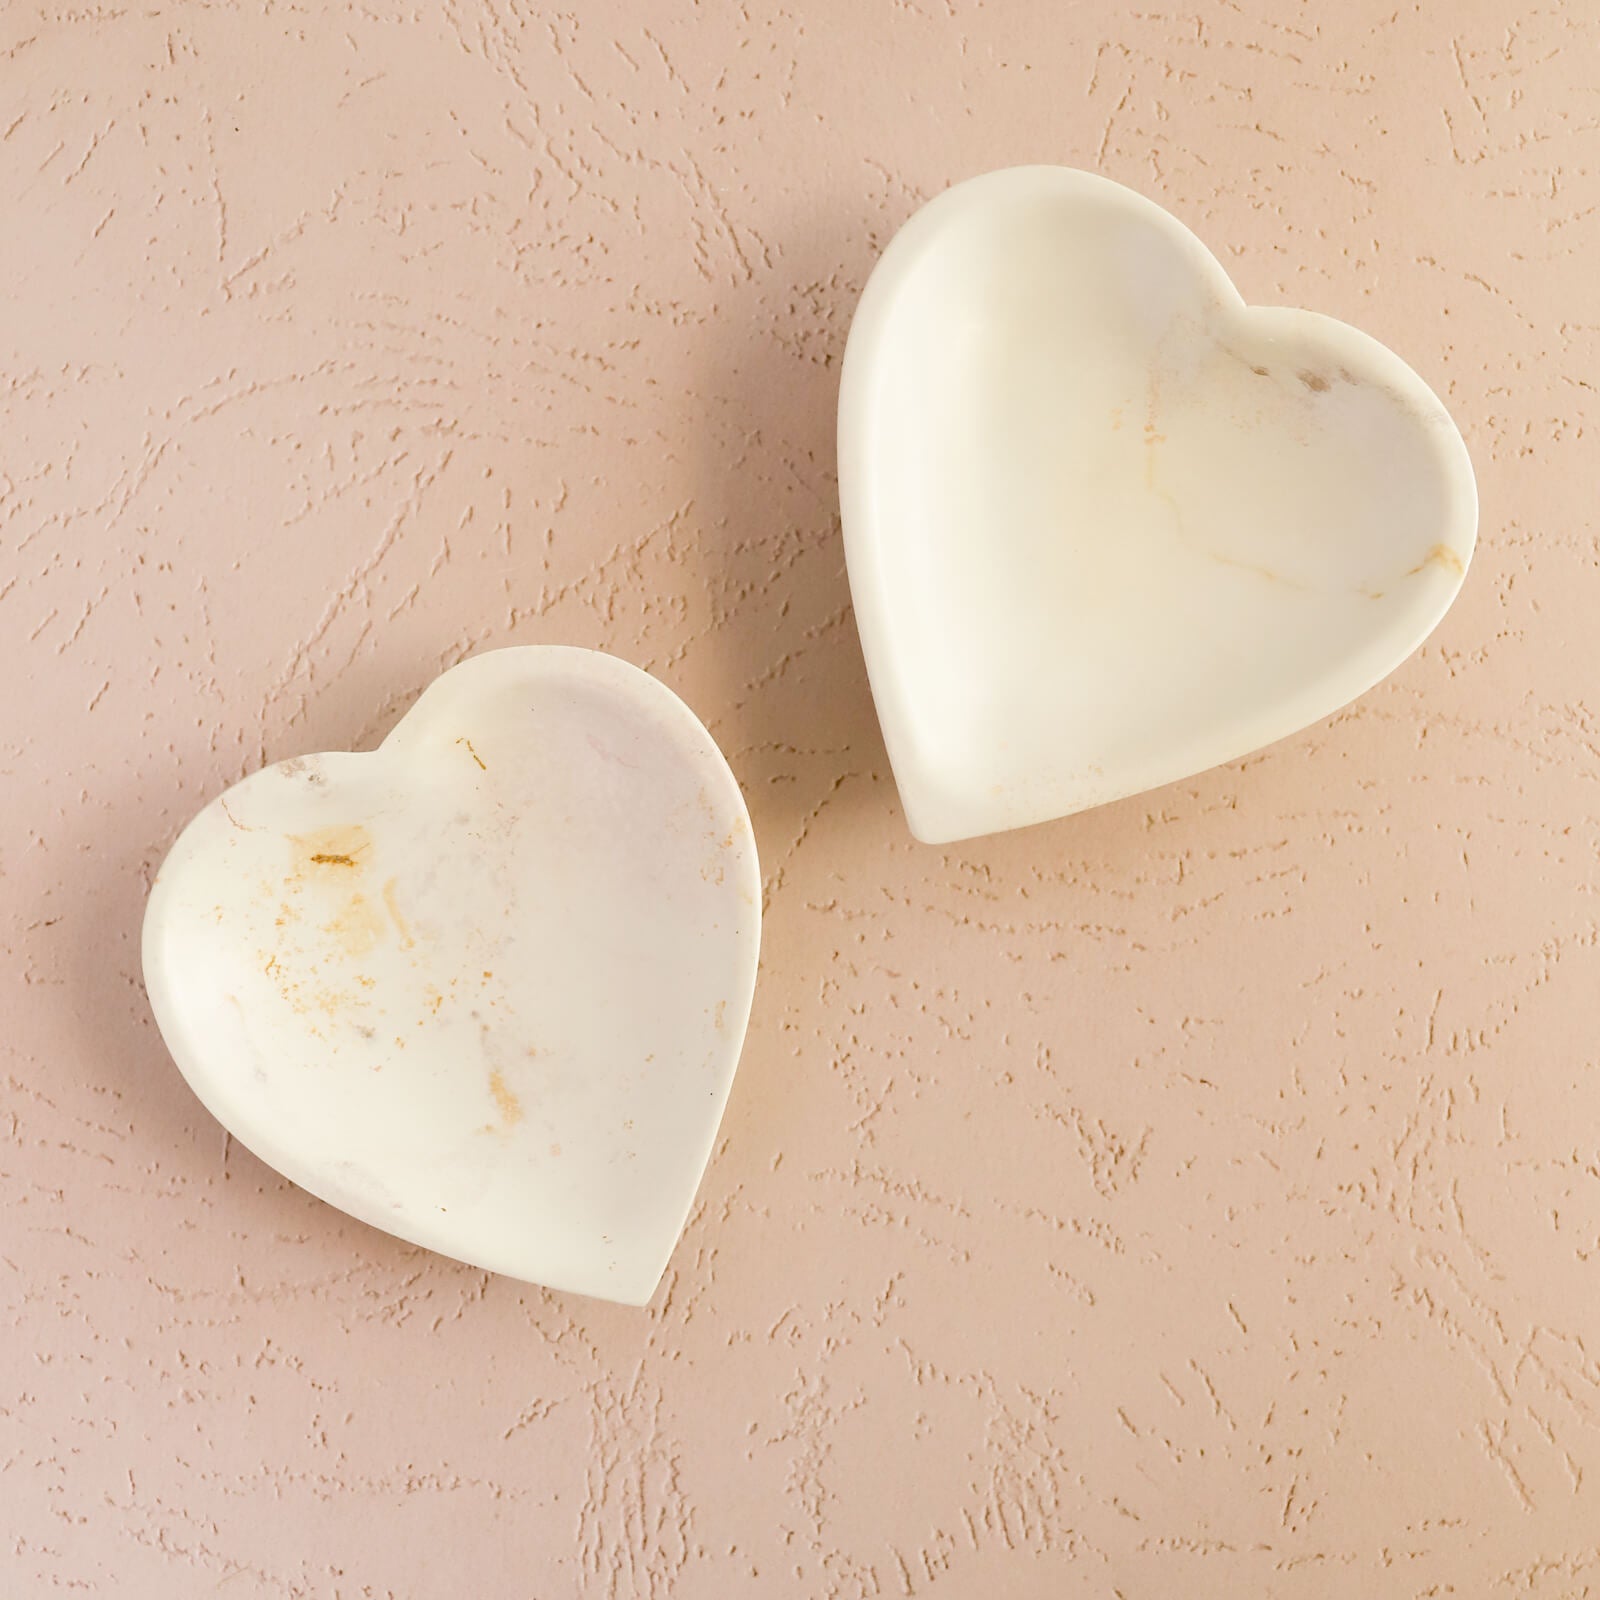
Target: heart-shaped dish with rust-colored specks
[(486, 986)]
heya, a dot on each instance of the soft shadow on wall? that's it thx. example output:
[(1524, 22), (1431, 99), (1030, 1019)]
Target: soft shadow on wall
[(785, 690)]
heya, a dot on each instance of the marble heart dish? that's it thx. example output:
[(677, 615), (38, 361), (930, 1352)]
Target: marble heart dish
[(486, 986), (1108, 526)]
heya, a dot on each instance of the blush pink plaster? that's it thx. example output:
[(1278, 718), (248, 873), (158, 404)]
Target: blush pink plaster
[(1198, 1197)]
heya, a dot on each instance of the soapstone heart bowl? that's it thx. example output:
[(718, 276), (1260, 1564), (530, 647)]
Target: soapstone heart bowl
[(486, 986), (1106, 525)]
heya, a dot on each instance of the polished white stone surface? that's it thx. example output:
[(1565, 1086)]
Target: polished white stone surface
[(1106, 525), (486, 986)]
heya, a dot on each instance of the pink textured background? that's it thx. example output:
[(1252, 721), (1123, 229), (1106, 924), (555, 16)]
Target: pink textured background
[(1198, 1197)]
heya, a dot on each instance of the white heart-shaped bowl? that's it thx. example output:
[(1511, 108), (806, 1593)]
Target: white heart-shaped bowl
[(486, 986), (1106, 525)]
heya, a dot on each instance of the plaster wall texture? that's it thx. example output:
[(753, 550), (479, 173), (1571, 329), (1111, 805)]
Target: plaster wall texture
[(1199, 1196)]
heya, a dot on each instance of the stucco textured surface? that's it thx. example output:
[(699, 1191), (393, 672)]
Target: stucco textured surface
[(1197, 1197)]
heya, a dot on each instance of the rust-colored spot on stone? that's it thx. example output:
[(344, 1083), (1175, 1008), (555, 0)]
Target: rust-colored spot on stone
[(324, 889), (506, 1102), (345, 845), (471, 752), (1314, 381)]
